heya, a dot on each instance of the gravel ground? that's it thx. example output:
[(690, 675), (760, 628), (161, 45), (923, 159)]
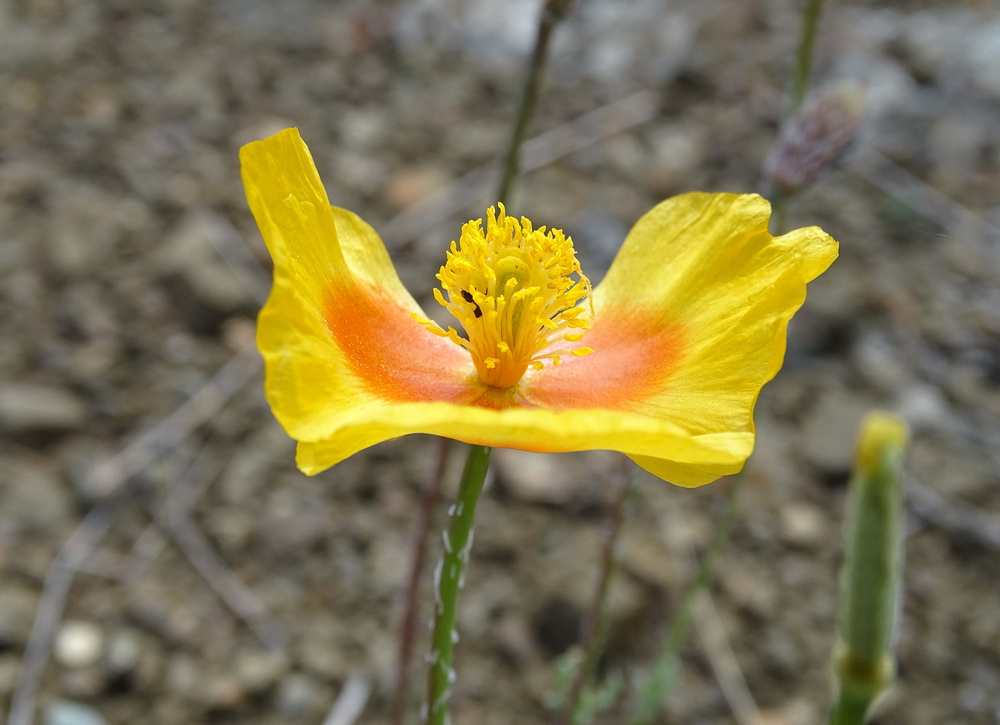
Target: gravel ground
[(208, 581)]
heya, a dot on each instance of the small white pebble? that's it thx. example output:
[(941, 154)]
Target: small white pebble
[(79, 643)]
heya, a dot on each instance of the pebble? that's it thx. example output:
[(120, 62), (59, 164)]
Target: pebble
[(79, 643), (646, 556), (407, 187), (35, 407), (192, 251), (804, 524), (33, 499), (925, 408), (64, 712), (17, 613), (10, 670), (831, 430), (258, 670), (298, 696)]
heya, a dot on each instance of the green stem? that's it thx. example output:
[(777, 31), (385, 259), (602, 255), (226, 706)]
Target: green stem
[(850, 710), (803, 59), (449, 579), (664, 674), (553, 11)]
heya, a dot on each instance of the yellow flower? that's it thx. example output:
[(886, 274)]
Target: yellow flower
[(663, 360)]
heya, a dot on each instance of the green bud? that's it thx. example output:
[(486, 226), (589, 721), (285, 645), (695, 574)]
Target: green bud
[(873, 566)]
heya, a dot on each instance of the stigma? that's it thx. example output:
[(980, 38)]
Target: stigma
[(519, 294)]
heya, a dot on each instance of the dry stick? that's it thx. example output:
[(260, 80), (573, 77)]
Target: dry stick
[(182, 498), (108, 480), (724, 664), (170, 431), (177, 523), (51, 606), (923, 198), (350, 702), (407, 629), (595, 627)]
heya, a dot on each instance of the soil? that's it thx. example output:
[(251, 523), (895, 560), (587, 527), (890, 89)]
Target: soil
[(131, 273)]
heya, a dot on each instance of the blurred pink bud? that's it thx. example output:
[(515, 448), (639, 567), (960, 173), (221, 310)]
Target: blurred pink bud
[(816, 138)]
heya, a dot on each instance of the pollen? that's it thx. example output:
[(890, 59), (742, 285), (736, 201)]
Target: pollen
[(519, 295)]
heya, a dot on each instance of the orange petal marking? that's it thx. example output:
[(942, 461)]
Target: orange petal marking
[(635, 359), (393, 356)]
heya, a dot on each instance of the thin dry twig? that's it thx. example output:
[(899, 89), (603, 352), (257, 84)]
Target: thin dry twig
[(350, 703), (234, 594), (717, 648), (52, 604), (724, 665), (108, 481), (181, 501), (171, 430), (923, 198)]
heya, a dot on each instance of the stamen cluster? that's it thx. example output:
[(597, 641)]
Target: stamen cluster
[(513, 290)]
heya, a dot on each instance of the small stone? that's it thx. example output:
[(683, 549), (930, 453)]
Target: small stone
[(79, 643), (804, 524), (646, 555), (123, 652), (222, 692), (259, 670), (33, 407), (10, 671), (64, 712), (133, 661), (514, 639), (33, 499), (831, 430), (17, 612), (409, 186), (543, 478), (298, 696), (84, 683), (192, 250), (925, 408)]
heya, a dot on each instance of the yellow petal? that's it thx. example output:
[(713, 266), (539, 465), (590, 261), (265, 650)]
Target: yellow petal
[(337, 332), (690, 320), (309, 241), (661, 446)]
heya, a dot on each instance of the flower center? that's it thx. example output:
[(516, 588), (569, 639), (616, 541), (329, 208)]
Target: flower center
[(513, 290)]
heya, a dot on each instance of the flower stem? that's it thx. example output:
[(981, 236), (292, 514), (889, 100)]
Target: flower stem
[(803, 59), (553, 11), (665, 672), (800, 83), (448, 580)]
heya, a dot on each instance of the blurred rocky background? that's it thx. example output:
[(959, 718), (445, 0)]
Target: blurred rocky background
[(162, 561)]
